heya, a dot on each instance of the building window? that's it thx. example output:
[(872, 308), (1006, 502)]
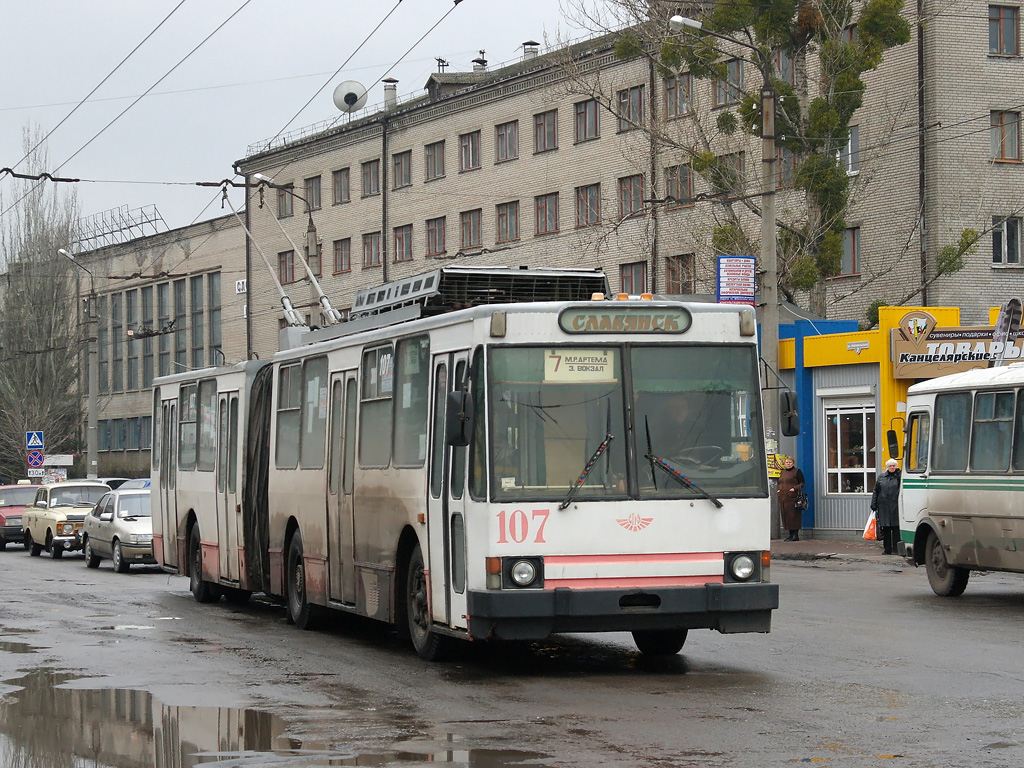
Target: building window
[(312, 187), (633, 278), (679, 185), (587, 123), (547, 213), (729, 174), (163, 318), (1002, 30), (677, 96), (588, 205), (131, 319), (508, 222), (631, 195), (850, 264), (470, 224), (198, 333), (850, 448), (507, 141), (148, 371), (728, 91), (285, 203), (436, 236), (116, 345), (679, 274), (785, 167), (403, 243), (286, 267), (849, 34), (371, 249), (1005, 135), (469, 151), (371, 178), (1006, 240), (631, 108), (341, 186), (343, 255), (213, 313), (784, 69), (435, 160), (545, 131), (402, 163), (849, 155), (180, 337)]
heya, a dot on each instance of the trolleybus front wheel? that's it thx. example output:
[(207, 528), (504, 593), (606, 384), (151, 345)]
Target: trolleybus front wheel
[(659, 642), (202, 591), (300, 612), (427, 643), (946, 580)]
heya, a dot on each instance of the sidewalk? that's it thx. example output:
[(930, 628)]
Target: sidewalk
[(818, 549)]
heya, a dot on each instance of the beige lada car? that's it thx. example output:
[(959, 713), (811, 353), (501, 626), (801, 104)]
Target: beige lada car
[(54, 520)]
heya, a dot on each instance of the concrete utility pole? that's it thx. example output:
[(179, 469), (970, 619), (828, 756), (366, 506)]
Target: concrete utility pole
[(92, 428)]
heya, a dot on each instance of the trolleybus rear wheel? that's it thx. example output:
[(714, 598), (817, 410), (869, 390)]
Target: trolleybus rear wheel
[(659, 642), (427, 643), (946, 580), (300, 612), (202, 591)]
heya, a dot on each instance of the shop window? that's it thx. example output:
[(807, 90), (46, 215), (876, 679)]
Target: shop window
[(850, 459)]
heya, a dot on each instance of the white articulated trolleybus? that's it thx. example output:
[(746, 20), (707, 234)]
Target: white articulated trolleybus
[(962, 495), (482, 453)]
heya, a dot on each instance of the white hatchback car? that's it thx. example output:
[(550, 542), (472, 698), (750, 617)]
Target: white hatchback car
[(120, 527)]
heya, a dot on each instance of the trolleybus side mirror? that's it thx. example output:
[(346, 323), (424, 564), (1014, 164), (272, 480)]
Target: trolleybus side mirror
[(894, 444), (458, 423), (788, 414)]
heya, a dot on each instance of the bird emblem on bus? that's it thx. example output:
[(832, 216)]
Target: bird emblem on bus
[(635, 523)]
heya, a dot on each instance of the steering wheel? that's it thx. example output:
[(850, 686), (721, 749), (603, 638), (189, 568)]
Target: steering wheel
[(700, 456)]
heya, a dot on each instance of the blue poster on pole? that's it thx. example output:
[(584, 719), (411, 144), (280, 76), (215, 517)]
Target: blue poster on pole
[(736, 279)]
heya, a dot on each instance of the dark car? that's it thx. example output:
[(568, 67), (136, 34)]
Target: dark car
[(13, 500)]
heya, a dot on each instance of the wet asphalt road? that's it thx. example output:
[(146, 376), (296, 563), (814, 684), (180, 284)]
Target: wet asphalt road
[(864, 667)]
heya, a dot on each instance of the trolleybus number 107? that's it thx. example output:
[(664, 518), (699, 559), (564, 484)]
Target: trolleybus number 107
[(516, 526)]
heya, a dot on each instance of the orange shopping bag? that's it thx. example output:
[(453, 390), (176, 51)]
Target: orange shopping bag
[(871, 529)]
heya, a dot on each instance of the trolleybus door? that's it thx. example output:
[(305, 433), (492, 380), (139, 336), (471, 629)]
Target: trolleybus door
[(168, 473), (340, 523), (229, 509), (445, 501)]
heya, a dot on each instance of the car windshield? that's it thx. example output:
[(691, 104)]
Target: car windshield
[(76, 495), (134, 505), (17, 497)]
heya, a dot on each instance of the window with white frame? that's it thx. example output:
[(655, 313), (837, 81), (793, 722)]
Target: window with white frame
[(1004, 135), (1006, 240), (849, 155), (850, 462)]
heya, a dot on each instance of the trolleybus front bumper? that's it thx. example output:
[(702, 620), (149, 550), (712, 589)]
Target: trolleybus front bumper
[(533, 614)]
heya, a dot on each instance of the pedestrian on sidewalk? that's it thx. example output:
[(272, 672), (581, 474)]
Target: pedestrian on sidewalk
[(791, 486), (885, 504)]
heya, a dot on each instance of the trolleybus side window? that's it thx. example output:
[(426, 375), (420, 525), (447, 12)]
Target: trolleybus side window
[(458, 483), (313, 432), (206, 426), (1018, 434), (990, 437), (289, 402), (222, 449), (187, 402), (157, 444), (233, 446), (917, 442), (412, 376), (337, 437), (375, 408), (478, 445), (437, 453), (350, 436), (952, 431)]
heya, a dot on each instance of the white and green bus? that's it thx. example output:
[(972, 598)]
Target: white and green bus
[(962, 498)]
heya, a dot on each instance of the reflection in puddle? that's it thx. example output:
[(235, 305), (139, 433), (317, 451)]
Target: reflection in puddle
[(17, 647), (44, 726)]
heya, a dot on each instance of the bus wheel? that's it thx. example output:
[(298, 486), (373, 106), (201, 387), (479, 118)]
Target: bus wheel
[(300, 612), (946, 580), (659, 642), (427, 643), (202, 591)]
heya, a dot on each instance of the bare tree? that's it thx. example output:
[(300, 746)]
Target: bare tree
[(39, 334)]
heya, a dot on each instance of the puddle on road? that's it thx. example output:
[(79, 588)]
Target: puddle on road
[(43, 725), (17, 647)]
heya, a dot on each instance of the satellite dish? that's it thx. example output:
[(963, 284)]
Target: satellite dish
[(350, 96)]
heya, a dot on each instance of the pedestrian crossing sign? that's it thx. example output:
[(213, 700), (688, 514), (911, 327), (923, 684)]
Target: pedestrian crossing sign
[(34, 441)]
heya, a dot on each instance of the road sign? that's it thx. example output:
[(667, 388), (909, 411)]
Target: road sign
[(35, 458), (36, 472), (34, 440), (59, 460)]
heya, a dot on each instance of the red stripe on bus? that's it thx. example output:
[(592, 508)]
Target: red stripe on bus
[(660, 557), (633, 581)]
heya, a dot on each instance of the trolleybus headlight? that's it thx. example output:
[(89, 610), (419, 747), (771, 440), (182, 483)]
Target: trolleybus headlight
[(742, 567), (523, 573)]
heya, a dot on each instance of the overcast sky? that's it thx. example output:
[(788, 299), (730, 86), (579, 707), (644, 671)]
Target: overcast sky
[(244, 85)]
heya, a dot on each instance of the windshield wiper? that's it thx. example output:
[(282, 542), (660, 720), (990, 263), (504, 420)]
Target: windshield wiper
[(663, 465), (586, 471)]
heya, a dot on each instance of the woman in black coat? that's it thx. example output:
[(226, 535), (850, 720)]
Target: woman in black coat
[(885, 503), (791, 483)]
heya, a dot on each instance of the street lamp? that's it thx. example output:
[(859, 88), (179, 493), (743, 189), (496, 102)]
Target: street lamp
[(91, 435), (769, 255)]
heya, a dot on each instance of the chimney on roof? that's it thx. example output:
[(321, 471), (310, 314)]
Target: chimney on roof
[(530, 49), (390, 93), (480, 64)]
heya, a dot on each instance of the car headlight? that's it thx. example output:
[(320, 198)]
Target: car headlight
[(523, 573), (65, 529), (140, 538), (742, 567)]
